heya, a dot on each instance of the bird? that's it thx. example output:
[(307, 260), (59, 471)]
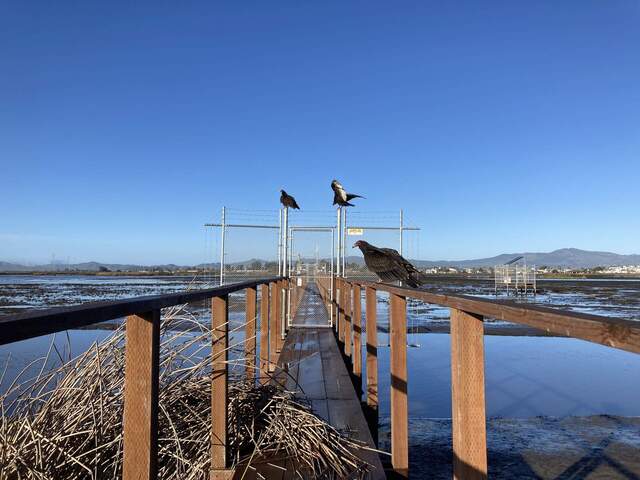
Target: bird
[(288, 201), (389, 265), (340, 196)]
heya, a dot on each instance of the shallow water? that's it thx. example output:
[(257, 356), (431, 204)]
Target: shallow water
[(525, 376)]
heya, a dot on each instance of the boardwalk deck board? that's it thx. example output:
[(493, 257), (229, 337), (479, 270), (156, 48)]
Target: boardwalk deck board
[(311, 356)]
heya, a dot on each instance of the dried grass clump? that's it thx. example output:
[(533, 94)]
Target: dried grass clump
[(66, 422)]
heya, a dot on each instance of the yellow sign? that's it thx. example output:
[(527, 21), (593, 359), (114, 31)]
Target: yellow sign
[(355, 231)]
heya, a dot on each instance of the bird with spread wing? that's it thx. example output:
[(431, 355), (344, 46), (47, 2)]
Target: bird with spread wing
[(288, 201), (389, 265), (340, 195)]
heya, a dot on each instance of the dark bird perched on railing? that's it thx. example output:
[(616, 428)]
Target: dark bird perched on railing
[(288, 201), (341, 197), (389, 265)]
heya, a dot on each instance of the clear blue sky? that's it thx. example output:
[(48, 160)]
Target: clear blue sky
[(497, 126)]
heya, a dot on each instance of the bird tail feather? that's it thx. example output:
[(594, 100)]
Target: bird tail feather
[(351, 196)]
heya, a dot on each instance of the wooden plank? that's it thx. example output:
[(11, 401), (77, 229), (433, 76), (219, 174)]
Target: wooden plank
[(278, 323), (610, 331), (372, 348), (399, 390), (43, 322), (141, 396), (343, 406), (264, 332), (273, 328), (347, 335), (251, 317), (467, 396), (219, 386), (357, 332), (339, 309)]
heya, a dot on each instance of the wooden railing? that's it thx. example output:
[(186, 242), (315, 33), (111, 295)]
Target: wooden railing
[(142, 351), (467, 356)]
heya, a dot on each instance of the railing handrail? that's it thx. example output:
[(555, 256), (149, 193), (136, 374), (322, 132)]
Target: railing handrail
[(610, 331), (23, 326)]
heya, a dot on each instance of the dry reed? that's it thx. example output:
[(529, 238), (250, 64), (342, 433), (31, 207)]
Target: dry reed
[(66, 421)]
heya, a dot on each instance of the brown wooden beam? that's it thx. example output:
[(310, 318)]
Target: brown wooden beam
[(43, 322), (273, 326), (264, 333), (372, 348), (340, 309), (357, 332), (278, 319), (141, 386), (219, 382), (467, 396), (347, 324), (251, 317), (399, 386), (612, 332)]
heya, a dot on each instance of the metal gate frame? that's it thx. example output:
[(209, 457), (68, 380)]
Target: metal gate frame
[(291, 231)]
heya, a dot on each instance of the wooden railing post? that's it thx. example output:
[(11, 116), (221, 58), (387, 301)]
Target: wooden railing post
[(399, 390), (372, 348), (264, 332), (141, 396), (339, 309), (467, 396), (347, 319), (273, 326), (219, 386), (250, 332), (357, 333), (278, 323)]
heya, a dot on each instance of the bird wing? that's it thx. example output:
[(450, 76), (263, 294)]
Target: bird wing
[(294, 204), (380, 263), (389, 265), (351, 196)]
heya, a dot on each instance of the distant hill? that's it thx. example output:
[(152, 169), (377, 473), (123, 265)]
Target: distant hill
[(564, 257)]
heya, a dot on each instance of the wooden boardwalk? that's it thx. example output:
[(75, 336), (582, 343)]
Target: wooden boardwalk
[(314, 365)]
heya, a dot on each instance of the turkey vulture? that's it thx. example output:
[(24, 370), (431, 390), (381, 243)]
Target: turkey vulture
[(288, 201), (389, 265), (341, 197)]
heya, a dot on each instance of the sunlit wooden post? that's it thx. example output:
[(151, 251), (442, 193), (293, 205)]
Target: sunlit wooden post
[(357, 332), (219, 386), (334, 315), (399, 390), (339, 309), (141, 396), (264, 332), (251, 315), (277, 298), (372, 348), (347, 319), (467, 396), (273, 326)]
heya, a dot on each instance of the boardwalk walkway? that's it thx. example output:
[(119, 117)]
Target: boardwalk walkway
[(313, 361)]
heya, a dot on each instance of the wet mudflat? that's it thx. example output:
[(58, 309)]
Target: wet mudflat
[(541, 448)]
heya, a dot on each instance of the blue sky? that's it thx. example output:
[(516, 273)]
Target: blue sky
[(497, 126)]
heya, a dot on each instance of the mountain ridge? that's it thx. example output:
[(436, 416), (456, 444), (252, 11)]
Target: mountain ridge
[(563, 257)]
